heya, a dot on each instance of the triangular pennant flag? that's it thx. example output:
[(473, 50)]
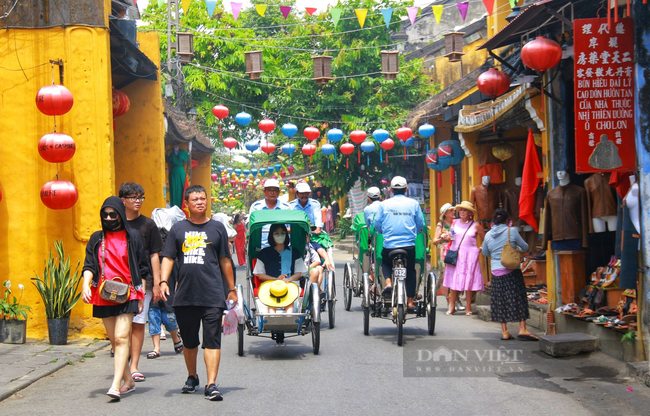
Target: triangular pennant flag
[(285, 11), (361, 16), (336, 15), (261, 9), (236, 8), (185, 4), (489, 6), (388, 14), (462, 8), (310, 10), (211, 4), (437, 12), (413, 13), (160, 3), (513, 3)]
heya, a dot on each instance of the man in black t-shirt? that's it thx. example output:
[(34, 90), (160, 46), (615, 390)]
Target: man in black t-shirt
[(132, 195), (201, 246)]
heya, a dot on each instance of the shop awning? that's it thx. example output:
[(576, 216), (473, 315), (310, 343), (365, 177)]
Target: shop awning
[(476, 117)]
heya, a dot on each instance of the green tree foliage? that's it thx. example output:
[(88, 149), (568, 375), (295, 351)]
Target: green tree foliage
[(359, 97)]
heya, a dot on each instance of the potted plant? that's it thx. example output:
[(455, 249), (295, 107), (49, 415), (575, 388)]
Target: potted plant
[(59, 291), (13, 330)]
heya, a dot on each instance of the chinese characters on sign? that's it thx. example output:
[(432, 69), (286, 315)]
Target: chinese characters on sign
[(604, 95)]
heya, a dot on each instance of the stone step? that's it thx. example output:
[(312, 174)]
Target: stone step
[(564, 345), (484, 312), (640, 370)]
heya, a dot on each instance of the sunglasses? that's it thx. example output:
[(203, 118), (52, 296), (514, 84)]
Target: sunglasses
[(112, 215)]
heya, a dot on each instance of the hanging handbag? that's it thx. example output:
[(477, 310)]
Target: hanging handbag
[(510, 257), (114, 289), (452, 255), (493, 170)]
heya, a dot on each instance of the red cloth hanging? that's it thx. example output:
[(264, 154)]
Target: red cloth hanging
[(530, 183), (439, 179), (453, 175)]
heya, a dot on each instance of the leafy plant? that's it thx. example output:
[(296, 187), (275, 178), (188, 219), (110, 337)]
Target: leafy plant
[(630, 337), (58, 289), (12, 309), (343, 228)]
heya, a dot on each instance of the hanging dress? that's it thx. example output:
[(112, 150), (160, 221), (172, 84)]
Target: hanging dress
[(176, 176)]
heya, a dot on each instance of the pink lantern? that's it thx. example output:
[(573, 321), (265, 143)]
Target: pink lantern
[(214, 177), (267, 125), (283, 174), (358, 136), (311, 133), (290, 168)]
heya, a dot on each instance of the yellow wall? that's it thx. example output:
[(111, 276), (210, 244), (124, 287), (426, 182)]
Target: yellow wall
[(140, 134), (446, 73), (27, 227)]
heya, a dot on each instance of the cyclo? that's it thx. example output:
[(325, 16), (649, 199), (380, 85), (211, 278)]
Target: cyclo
[(353, 275), (256, 319), (394, 306)]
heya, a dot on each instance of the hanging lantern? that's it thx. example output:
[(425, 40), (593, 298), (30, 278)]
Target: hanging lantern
[(220, 111), (267, 125), (358, 136), (309, 150), (311, 133), (390, 64), (434, 162), (254, 172), (54, 100), (185, 42), (254, 64), (347, 149), (243, 119), (56, 147), (454, 46), (252, 145), (290, 169), (404, 133), (121, 104), (334, 135), (380, 135), (493, 83), (270, 170), (503, 151), (230, 143), (541, 54), (451, 154), (59, 194), (367, 147), (328, 149), (214, 177), (283, 174), (268, 148), (322, 69), (289, 130), (288, 149), (387, 145), (426, 130)]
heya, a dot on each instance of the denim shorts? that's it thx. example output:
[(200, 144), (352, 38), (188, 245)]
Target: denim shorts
[(158, 316)]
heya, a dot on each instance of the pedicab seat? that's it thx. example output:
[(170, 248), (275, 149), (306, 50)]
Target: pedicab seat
[(257, 282)]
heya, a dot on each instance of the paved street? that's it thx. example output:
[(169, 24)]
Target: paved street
[(354, 374)]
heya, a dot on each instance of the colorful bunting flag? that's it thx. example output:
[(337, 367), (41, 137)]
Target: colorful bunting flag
[(211, 4), (437, 12), (261, 9), (413, 13), (310, 10), (336, 15), (236, 8), (285, 11), (185, 4), (462, 8), (361, 16), (489, 6), (388, 14)]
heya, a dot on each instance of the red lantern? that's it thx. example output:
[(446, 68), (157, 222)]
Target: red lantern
[(59, 194), (493, 83), (358, 136), (268, 148), (220, 111), (387, 145), (121, 103), (56, 147), (224, 180), (195, 163), (311, 133), (541, 54), (54, 100), (267, 125), (309, 149), (347, 149), (404, 133), (230, 143)]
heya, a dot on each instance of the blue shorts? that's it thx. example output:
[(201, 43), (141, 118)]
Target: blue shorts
[(158, 316)]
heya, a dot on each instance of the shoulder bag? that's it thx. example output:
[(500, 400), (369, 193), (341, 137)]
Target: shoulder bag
[(452, 255), (510, 257), (113, 290)]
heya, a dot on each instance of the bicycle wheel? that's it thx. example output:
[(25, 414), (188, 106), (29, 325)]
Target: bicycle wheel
[(315, 337), (400, 325), (347, 287), (240, 340)]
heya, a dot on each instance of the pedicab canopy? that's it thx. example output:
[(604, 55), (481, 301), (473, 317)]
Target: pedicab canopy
[(296, 220)]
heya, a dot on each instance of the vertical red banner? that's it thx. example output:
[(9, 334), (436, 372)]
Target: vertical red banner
[(604, 95)]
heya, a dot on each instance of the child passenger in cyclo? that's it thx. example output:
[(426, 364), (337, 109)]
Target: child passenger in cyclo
[(281, 263)]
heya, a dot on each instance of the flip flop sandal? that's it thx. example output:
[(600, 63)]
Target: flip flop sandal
[(113, 393), (153, 354), (508, 338), (138, 377), (128, 390), (527, 337), (178, 347)]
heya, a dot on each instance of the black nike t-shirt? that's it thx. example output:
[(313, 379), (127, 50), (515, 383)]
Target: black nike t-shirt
[(198, 248), (152, 240)]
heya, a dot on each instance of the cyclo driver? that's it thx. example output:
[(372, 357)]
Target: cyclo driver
[(400, 220)]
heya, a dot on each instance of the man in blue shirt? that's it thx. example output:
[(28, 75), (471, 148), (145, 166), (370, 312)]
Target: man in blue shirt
[(309, 206), (400, 220), (373, 204), (270, 201)]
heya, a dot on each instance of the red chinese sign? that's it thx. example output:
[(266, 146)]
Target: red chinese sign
[(604, 95)]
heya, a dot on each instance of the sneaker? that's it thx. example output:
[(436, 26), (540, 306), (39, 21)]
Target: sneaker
[(191, 384), (459, 306), (212, 393)]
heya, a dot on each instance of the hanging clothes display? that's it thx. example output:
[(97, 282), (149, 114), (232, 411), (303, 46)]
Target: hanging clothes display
[(176, 161)]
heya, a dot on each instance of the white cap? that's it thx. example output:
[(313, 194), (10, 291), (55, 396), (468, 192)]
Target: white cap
[(303, 187), (271, 183), (374, 192), (398, 182)]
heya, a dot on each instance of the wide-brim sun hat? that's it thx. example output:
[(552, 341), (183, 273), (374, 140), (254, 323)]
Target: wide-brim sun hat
[(443, 210), (277, 293), (466, 205)]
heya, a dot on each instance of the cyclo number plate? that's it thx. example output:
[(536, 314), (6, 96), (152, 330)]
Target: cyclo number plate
[(400, 273)]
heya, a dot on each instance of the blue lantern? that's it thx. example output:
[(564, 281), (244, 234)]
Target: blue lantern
[(220, 168), (408, 143), (278, 167), (426, 130), (229, 170), (328, 150), (252, 145), (289, 130), (367, 146), (270, 170), (380, 135), (262, 171), (246, 172), (237, 172), (288, 149), (243, 118), (254, 172), (334, 135)]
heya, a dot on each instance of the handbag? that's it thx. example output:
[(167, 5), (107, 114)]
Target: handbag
[(493, 170), (113, 290), (452, 255), (510, 257)]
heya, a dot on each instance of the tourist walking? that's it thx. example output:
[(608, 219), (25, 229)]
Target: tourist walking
[(240, 239), (442, 241)]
